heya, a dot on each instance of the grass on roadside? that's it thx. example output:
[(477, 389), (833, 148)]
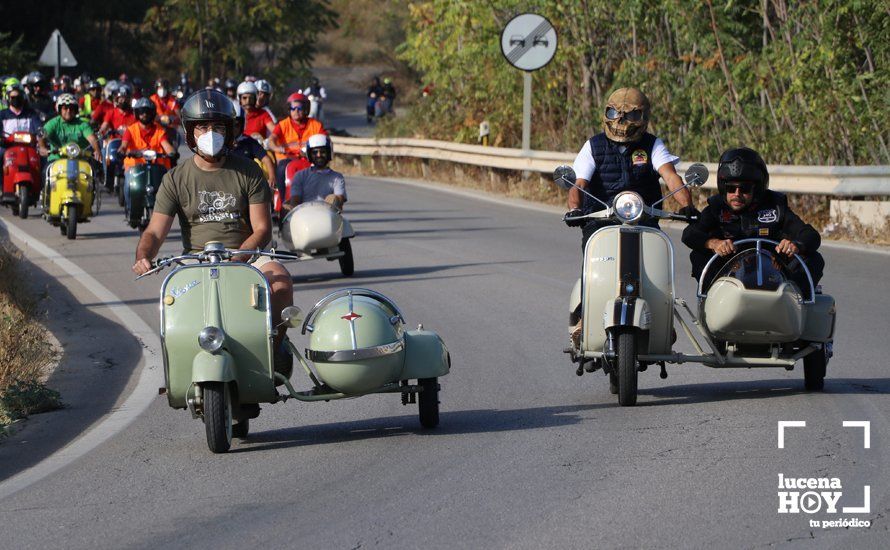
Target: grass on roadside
[(25, 353)]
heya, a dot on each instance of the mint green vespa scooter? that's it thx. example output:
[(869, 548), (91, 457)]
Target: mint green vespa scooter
[(217, 333)]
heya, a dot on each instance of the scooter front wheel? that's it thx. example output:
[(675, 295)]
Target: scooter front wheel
[(24, 202), (347, 264), (218, 416), (627, 368), (71, 226)]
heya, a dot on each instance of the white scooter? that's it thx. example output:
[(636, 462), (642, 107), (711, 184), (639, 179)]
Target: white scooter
[(317, 230), (752, 315)]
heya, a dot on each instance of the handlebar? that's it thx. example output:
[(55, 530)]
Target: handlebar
[(213, 255)]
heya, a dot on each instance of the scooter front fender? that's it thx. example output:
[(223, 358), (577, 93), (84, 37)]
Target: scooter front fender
[(213, 367), (627, 311)]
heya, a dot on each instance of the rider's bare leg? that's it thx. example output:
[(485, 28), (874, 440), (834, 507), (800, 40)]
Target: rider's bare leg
[(282, 290)]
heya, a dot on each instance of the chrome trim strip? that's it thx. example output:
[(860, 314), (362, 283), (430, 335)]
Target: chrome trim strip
[(345, 356), (352, 324)]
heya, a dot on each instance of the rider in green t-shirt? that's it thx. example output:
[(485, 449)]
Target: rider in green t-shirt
[(67, 128)]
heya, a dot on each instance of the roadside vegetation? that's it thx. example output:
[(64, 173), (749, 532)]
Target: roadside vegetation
[(802, 82), (25, 354)]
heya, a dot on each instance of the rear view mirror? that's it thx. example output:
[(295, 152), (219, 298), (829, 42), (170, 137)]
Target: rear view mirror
[(696, 175), (564, 176), (291, 316)]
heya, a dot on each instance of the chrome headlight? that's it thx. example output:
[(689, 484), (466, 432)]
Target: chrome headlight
[(628, 206), (211, 339), (72, 150)]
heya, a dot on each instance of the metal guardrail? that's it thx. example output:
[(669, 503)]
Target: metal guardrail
[(819, 180)]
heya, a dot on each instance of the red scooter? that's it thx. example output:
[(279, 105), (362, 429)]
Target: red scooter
[(21, 173)]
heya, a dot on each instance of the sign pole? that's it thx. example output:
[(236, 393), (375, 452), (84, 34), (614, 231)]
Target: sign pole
[(58, 51), (526, 110)]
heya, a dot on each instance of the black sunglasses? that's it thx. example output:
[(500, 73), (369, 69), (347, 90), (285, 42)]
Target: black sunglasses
[(744, 188), (633, 116)]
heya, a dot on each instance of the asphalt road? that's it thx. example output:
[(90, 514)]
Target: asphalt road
[(527, 455)]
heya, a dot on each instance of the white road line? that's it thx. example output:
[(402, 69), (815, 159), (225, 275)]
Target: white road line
[(142, 395)]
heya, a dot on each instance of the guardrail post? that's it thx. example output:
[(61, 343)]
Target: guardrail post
[(425, 168)]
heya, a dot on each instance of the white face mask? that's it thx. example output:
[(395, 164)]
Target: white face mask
[(211, 143), (162, 92)]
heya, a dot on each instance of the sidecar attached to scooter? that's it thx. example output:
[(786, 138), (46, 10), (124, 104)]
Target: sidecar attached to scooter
[(317, 230), (217, 337), (752, 312)]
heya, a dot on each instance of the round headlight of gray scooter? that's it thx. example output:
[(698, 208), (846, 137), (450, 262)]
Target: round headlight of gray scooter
[(628, 206), (211, 339)]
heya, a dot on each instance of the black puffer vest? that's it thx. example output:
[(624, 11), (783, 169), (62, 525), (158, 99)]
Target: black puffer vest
[(615, 171)]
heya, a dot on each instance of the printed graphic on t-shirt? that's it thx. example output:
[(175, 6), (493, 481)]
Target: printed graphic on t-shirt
[(217, 206), (767, 216)]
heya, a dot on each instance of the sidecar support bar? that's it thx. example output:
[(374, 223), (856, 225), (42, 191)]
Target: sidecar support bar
[(319, 394), (716, 353)]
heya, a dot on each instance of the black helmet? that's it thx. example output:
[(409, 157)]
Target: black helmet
[(230, 84), (145, 105), (742, 164), (207, 106)]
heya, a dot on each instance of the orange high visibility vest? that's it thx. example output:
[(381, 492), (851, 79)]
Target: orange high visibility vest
[(151, 138), (292, 138)]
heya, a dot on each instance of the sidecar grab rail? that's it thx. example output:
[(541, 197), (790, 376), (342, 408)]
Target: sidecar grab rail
[(759, 242), (349, 292)]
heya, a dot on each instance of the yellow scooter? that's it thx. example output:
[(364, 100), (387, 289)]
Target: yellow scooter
[(70, 193)]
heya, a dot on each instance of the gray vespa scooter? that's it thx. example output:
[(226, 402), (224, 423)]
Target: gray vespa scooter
[(751, 315)]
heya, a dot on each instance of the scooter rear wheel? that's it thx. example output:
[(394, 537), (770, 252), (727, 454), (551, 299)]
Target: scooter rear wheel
[(428, 402), (218, 416), (627, 369)]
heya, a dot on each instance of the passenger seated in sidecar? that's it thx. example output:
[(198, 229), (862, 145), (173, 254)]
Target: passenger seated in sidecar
[(745, 208)]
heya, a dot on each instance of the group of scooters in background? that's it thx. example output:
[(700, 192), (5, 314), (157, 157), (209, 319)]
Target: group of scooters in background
[(118, 136)]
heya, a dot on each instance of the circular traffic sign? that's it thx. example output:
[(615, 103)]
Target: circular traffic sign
[(528, 41)]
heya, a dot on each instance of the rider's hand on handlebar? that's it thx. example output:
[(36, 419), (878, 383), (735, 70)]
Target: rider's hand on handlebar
[(787, 248), (141, 266), (573, 213), (723, 247), (691, 213)]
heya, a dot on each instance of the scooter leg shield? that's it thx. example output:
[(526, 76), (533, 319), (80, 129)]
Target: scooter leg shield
[(213, 367), (425, 355)]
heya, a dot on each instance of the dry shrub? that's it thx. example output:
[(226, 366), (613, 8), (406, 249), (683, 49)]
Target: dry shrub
[(25, 353)]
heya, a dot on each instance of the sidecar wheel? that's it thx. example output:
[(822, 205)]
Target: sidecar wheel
[(72, 222), (241, 429), (218, 416), (24, 202), (814, 370), (627, 369), (428, 402), (347, 265)]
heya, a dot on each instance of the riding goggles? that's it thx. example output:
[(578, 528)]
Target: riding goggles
[(635, 115)]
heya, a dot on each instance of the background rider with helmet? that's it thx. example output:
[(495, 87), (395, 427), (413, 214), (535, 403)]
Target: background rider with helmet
[(291, 134), (258, 123), (167, 108), (217, 196), (106, 105), (67, 128), (250, 148), (744, 207), (318, 182), (264, 97), (91, 99), (624, 157), (145, 134), (18, 116), (38, 95), (122, 115)]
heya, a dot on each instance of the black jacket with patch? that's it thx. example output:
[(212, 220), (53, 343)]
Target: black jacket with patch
[(767, 217)]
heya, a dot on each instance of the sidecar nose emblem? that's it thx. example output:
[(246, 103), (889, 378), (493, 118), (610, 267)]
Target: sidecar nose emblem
[(351, 317)]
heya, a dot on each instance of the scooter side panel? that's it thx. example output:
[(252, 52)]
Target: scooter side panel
[(599, 284), (425, 355), (657, 280)]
